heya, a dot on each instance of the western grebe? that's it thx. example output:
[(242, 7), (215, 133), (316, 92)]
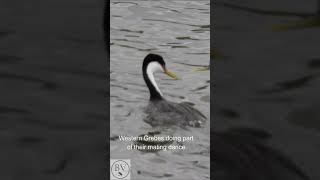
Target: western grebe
[(160, 111)]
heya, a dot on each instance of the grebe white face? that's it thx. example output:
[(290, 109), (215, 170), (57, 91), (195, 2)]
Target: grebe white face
[(152, 68), (154, 63), (155, 67)]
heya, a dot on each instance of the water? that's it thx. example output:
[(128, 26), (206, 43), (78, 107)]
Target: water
[(53, 86), (179, 31), (268, 79)]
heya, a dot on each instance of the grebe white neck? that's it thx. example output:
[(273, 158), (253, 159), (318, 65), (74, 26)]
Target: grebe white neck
[(152, 68)]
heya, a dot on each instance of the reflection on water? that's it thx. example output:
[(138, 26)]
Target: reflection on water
[(179, 31)]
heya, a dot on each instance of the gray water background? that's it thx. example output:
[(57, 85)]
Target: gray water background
[(269, 80), (53, 90), (179, 31)]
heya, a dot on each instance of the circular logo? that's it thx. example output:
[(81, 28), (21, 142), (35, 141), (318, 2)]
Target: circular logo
[(120, 169)]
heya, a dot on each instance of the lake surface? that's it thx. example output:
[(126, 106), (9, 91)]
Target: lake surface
[(53, 114), (269, 79), (179, 31)]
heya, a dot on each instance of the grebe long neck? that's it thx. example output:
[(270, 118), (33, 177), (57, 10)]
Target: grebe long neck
[(155, 93)]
